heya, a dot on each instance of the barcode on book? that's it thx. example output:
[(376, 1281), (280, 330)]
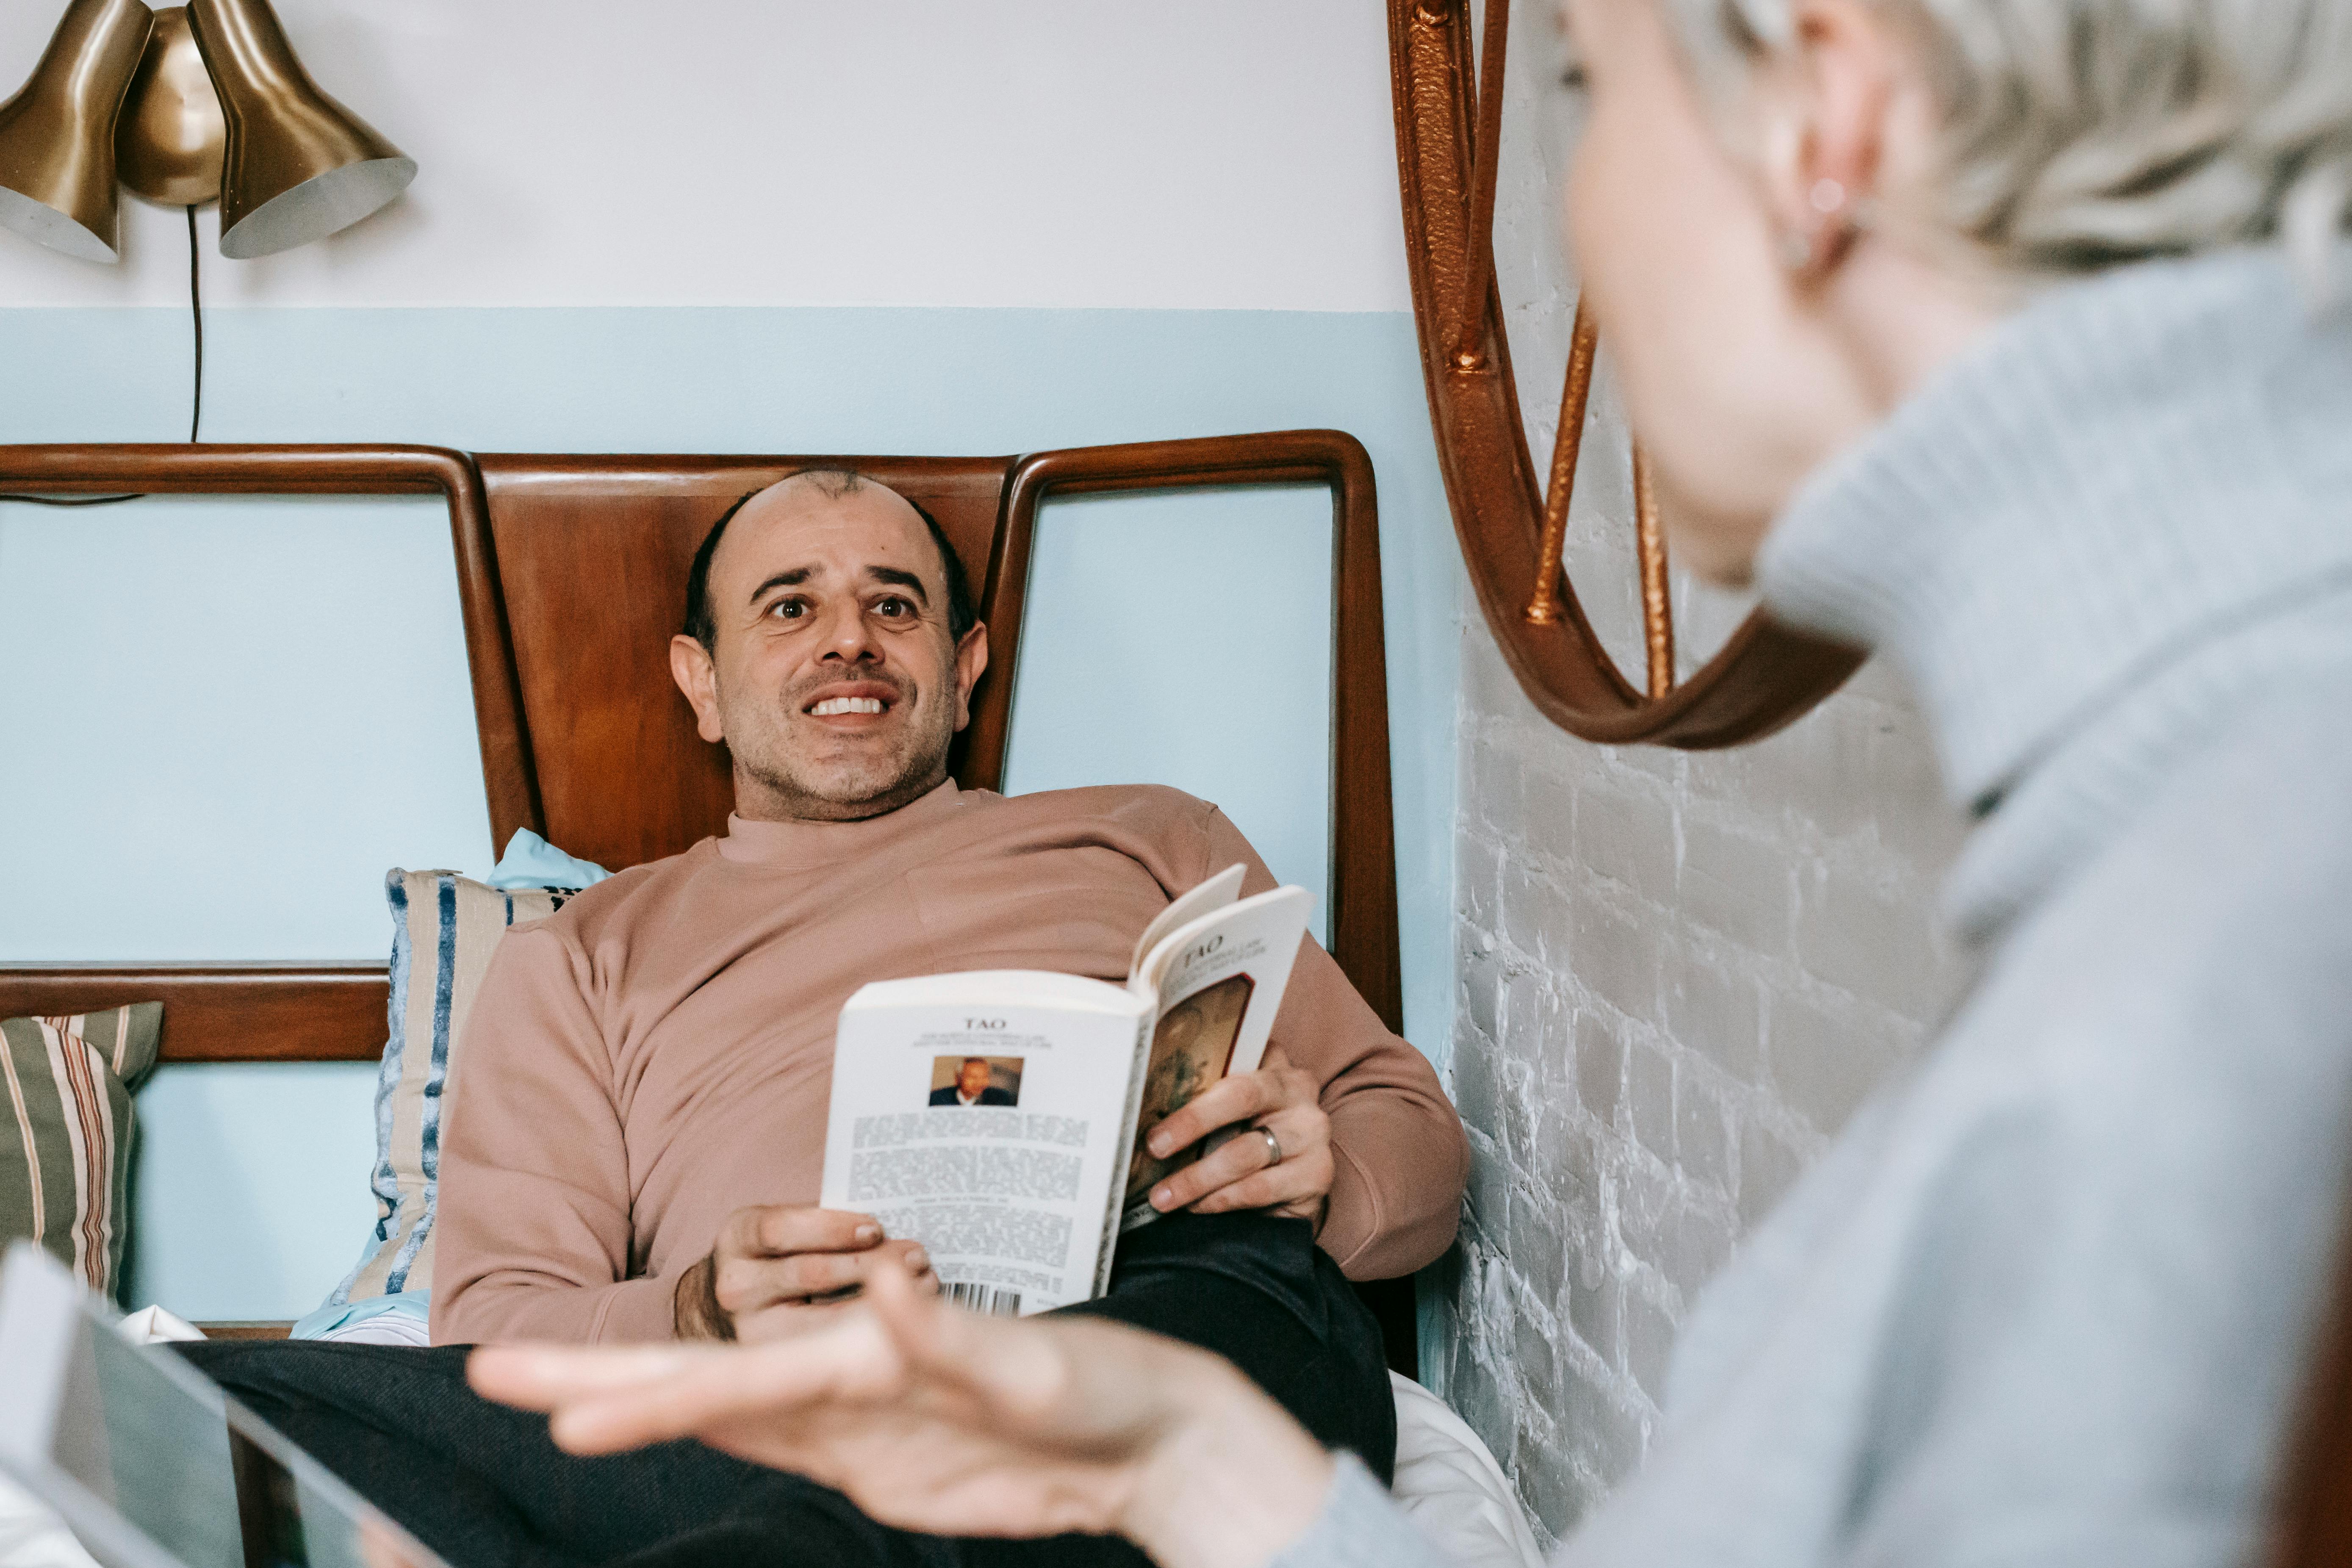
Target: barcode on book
[(988, 1299)]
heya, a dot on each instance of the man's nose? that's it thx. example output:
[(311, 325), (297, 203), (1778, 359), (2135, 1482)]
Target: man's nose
[(848, 636)]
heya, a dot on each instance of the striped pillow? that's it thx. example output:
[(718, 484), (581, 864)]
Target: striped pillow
[(445, 927), (65, 1133)]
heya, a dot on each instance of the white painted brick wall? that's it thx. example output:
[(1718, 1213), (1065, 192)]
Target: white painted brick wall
[(1676, 974)]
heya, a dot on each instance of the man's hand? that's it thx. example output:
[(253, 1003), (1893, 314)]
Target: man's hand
[(936, 1419), (782, 1268), (1242, 1175)]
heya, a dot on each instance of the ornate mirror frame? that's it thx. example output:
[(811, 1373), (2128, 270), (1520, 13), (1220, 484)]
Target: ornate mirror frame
[(1449, 142)]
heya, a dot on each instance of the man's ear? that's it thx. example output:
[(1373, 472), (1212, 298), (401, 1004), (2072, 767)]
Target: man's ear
[(690, 667), (971, 662)]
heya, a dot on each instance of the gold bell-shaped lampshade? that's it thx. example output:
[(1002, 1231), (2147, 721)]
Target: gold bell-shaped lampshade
[(56, 136), (299, 165), (168, 141)]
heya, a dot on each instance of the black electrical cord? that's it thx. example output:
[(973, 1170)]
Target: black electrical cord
[(196, 401), (196, 316)]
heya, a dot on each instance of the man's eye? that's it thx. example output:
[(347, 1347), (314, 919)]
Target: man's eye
[(788, 609), (893, 609)]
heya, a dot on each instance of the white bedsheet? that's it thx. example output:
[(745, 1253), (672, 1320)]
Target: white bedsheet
[(1453, 1490)]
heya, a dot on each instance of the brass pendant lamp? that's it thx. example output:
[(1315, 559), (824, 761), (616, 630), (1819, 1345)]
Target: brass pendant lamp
[(56, 135), (298, 165), (189, 104), (169, 142)]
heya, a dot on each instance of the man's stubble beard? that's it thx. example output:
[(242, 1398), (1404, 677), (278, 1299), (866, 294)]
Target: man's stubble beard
[(845, 791)]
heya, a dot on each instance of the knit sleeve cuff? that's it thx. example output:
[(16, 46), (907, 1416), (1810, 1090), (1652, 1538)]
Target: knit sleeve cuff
[(1360, 1527)]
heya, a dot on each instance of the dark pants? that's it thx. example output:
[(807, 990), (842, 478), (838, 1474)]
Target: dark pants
[(483, 1484)]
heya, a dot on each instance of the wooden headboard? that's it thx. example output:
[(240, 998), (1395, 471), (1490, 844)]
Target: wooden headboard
[(571, 580)]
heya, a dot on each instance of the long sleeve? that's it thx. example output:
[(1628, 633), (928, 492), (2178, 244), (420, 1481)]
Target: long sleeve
[(1397, 1141), (534, 1215), (1360, 1527)]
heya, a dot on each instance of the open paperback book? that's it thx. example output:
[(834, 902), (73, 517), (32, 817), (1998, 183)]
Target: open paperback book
[(996, 1115)]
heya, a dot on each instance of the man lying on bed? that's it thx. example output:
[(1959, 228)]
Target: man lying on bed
[(634, 1150)]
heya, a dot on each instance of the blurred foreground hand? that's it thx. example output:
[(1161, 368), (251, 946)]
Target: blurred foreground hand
[(935, 1419)]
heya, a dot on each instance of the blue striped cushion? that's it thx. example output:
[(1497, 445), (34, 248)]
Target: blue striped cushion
[(445, 927)]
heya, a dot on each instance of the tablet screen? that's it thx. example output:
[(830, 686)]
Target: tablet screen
[(151, 1451), (153, 1445)]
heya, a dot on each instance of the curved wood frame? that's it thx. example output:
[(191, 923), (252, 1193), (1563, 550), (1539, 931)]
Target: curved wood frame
[(335, 1012), (331, 1011), (1362, 856), (208, 469), (222, 1012), (1765, 676)]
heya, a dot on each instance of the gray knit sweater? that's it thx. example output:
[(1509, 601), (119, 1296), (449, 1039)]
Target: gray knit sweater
[(2049, 1298)]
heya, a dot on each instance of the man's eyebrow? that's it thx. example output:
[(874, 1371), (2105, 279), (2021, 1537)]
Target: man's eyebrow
[(791, 579), (890, 574), (903, 579)]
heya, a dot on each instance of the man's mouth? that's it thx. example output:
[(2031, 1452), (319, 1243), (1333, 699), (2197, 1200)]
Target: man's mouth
[(852, 706)]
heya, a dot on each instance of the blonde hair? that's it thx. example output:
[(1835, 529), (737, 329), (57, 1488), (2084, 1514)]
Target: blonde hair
[(2080, 134)]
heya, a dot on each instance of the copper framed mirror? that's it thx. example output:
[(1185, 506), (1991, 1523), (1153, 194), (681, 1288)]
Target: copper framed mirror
[(1511, 528)]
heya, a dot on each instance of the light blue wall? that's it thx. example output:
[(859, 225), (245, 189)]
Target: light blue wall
[(231, 716), (1214, 677), (222, 674)]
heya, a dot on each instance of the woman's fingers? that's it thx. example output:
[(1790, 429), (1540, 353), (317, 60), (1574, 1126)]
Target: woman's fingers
[(992, 1360), (539, 1377), (848, 1363), (899, 1354), (603, 1400), (1081, 1390), (931, 1417), (797, 1401)]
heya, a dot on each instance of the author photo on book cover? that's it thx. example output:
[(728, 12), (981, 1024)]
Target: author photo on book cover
[(976, 1080)]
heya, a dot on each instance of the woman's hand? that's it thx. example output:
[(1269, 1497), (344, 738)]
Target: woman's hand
[(936, 1419), (1242, 1174)]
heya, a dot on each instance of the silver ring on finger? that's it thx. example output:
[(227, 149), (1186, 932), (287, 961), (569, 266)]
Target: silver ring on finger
[(1273, 1145)]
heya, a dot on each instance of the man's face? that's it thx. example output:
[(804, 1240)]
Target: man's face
[(833, 676), (972, 1079)]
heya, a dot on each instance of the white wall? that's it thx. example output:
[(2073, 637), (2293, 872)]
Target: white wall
[(918, 227), (1070, 153)]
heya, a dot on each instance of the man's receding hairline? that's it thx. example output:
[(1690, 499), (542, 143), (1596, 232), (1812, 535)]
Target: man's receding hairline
[(834, 484), (837, 484)]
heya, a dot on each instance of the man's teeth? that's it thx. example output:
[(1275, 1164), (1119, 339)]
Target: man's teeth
[(833, 705)]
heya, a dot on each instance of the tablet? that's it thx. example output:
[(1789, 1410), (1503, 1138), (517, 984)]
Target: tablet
[(149, 1461)]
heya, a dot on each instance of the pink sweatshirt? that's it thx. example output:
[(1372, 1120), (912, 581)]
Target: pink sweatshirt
[(659, 1052)]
